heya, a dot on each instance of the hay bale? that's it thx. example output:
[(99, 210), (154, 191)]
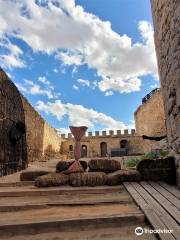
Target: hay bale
[(168, 162), (158, 169), (87, 179), (64, 165), (104, 165), (51, 179), (159, 174), (31, 175), (120, 176)]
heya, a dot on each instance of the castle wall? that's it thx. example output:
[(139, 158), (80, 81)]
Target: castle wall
[(136, 144), (51, 141), (167, 42), (42, 140), (166, 18), (150, 117)]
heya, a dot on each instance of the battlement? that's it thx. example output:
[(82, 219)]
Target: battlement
[(110, 133), (149, 95)]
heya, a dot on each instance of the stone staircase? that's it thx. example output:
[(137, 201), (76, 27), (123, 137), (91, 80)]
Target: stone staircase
[(85, 212)]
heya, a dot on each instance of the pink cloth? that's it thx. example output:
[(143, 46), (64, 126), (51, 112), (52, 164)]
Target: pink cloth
[(78, 133)]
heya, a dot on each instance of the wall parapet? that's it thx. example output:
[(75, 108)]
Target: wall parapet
[(110, 133)]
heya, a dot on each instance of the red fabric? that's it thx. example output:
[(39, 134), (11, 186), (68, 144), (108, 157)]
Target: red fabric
[(75, 167), (78, 133)]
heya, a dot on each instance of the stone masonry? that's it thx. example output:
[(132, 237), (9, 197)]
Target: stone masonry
[(112, 140), (150, 117), (43, 141), (166, 18)]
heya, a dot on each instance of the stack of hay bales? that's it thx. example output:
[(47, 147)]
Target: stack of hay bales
[(103, 165), (158, 169), (120, 176), (64, 165), (90, 179), (52, 179), (32, 175)]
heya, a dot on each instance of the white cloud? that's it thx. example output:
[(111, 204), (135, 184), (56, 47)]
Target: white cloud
[(154, 86), (70, 58), (77, 37), (75, 87), (30, 87), (55, 70), (87, 83), (109, 93), (63, 131), (83, 82), (45, 81), (13, 56), (78, 115)]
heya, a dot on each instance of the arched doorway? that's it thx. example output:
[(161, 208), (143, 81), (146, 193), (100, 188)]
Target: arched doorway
[(70, 148), (124, 144), (83, 151), (13, 147), (103, 147), (124, 147)]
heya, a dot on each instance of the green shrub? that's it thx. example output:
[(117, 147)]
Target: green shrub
[(149, 155), (164, 153), (133, 162)]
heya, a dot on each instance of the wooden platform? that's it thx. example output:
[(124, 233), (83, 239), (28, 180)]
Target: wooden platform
[(160, 203)]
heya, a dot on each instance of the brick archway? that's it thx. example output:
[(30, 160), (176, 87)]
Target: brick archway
[(83, 151), (103, 147)]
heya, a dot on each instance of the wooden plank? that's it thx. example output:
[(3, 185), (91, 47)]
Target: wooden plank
[(135, 195), (171, 198), (151, 215), (171, 189), (167, 205), (169, 222)]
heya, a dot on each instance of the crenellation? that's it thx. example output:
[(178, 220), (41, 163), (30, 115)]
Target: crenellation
[(111, 132), (69, 135), (96, 133), (126, 132), (119, 132), (90, 134), (104, 133), (63, 135), (133, 131)]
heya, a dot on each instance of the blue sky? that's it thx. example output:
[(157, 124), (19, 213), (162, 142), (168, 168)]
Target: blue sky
[(84, 62)]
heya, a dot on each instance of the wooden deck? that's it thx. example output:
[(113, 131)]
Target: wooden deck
[(160, 203)]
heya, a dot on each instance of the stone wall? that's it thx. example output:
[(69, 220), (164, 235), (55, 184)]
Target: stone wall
[(136, 144), (166, 18), (51, 141), (42, 140), (150, 117)]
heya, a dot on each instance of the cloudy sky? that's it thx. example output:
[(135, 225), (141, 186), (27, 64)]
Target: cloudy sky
[(80, 62)]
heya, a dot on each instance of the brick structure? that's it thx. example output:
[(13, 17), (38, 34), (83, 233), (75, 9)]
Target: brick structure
[(39, 141), (166, 18), (43, 140), (101, 144), (13, 152), (150, 117)]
